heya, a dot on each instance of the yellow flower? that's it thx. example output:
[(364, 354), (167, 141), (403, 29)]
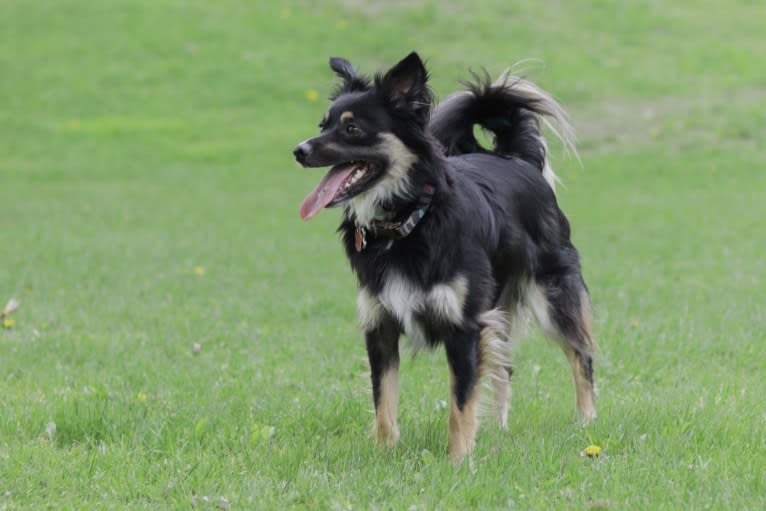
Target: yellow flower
[(142, 397), (199, 270), (312, 95), (9, 322), (591, 451)]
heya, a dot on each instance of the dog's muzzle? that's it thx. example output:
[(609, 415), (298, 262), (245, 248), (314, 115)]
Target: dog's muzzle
[(301, 152)]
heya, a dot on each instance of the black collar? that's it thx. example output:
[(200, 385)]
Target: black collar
[(399, 229)]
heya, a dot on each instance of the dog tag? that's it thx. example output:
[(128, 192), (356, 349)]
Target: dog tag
[(360, 239)]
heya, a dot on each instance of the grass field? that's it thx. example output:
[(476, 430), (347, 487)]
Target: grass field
[(185, 340)]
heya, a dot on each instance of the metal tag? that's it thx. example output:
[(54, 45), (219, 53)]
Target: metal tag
[(360, 239)]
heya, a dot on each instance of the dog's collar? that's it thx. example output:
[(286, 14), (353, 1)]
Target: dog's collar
[(396, 230)]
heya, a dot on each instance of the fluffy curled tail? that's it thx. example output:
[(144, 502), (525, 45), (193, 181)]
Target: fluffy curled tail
[(512, 109)]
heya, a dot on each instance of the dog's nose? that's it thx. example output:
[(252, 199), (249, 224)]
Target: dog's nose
[(301, 152)]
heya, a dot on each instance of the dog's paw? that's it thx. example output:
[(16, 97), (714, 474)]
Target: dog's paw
[(460, 450), (386, 437), (585, 417)]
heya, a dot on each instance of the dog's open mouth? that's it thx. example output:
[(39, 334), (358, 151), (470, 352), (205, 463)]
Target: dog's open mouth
[(342, 182)]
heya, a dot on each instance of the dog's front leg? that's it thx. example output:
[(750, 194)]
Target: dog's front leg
[(383, 352), (463, 356)]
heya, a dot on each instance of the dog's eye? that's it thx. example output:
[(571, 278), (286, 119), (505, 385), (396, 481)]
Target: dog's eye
[(353, 129)]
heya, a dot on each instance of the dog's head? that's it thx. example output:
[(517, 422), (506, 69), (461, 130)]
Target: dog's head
[(367, 137)]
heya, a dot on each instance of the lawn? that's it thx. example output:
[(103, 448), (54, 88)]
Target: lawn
[(185, 340)]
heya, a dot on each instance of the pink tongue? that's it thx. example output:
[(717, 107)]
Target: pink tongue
[(325, 190)]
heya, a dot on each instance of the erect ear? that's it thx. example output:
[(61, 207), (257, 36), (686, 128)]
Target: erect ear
[(343, 68), (405, 83)]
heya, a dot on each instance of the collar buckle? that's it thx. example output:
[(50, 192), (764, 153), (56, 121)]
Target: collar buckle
[(397, 229)]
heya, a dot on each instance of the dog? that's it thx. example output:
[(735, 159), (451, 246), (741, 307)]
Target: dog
[(452, 243)]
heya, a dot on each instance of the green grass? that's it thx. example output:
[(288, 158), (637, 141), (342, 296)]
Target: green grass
[(148, 202)]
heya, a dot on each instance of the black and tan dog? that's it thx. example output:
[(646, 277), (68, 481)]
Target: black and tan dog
[(452, 243)]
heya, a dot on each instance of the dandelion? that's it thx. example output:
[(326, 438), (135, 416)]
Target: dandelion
[(312, 95), (199, 270), (8, 323), (592, 451), (142, 397)]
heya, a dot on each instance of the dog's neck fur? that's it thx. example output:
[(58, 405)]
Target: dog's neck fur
[(399, 189)]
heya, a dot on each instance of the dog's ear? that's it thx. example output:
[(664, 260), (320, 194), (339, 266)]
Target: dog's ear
[(351, 81), (342, 68), (405, 84)]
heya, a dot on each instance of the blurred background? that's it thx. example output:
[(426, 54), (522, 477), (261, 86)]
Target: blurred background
[(176, 313)]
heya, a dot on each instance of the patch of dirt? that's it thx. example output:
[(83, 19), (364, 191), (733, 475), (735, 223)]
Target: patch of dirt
[(698, 118)]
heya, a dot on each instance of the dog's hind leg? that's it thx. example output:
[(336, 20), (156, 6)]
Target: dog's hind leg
[(383, 353), (501, 392), (495, 360), (562, 308), (582, 370), (462, 349)]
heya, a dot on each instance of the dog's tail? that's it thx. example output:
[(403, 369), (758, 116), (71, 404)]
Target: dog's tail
[(511, 109)]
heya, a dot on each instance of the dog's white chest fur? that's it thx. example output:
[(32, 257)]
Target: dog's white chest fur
[(405, 302)]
